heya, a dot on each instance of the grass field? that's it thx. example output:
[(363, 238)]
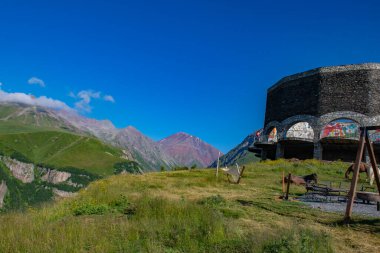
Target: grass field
[(61, 149), (190, 211)]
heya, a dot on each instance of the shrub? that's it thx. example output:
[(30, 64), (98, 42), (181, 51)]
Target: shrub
[(20, 157), (178, 168), (89, 209), (118, 205), (130, 167)]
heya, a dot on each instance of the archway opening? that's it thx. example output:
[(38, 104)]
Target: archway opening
[(298, 141)]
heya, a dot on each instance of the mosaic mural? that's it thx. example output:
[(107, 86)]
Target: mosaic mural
[(374, 135), (301, 130), (272, 137), (343, 128), (258, 134)]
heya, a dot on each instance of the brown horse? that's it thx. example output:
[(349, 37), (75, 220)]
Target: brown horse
[(302, 180), (363, 167)]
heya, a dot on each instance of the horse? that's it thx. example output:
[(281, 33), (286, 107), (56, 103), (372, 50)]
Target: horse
[(303, 180), (295, 180), (363, 167), (371, 175), (311, 178)]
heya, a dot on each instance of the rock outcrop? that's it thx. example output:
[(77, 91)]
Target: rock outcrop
[(3, 191), (54, 176), (20, 170)]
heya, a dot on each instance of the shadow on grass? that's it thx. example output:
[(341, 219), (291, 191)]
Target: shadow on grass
[(368, 225)]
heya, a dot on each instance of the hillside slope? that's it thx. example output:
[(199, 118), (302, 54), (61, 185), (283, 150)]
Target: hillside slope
[(36, 167), (15, 117), (61, 149), (197, 152), (31, 117), (19, 118), (239, 154), (191, 211)]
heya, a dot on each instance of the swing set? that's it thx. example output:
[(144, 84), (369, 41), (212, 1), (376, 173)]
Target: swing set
[(364, 142)]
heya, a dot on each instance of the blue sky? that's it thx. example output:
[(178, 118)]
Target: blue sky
[(201, 67)]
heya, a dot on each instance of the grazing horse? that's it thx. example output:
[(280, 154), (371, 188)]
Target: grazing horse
[(371, 174), (302, 180), (311, 178), (295, 180), (363, 167)]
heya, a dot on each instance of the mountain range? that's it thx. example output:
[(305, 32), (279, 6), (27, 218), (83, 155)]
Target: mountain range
[(180, 149)]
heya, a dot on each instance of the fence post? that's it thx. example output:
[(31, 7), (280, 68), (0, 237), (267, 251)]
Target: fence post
[(288, 186)]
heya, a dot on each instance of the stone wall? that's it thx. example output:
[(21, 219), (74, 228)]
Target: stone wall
[(354, 88), (299, 97), (316, 98)]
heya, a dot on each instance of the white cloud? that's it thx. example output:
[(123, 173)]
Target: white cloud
[(85, 97), (18, 97), (35, 80), (109, 98)]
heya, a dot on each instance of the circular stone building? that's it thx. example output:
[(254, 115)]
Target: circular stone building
[(317, 113)]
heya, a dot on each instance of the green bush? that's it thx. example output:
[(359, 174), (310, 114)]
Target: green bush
[(89, 209), (20, 157), (178, 168), (129, 166), (118, 205)]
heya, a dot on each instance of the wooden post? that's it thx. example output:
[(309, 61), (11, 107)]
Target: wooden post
[(217, 166), (352, 192), (373, 162), (288, 186), (283, 182)]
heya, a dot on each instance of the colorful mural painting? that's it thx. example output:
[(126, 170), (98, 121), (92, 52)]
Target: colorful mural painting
[(272, 137), (342, 128), (258, 134), (301, 130), (374, 135)]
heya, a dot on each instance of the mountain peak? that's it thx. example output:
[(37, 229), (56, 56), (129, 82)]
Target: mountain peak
[(197, 151), (132, 129)]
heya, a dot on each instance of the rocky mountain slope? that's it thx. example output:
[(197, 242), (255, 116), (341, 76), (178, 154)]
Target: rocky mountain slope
[(147, 151), (239, 154), (135, 145), (197, 152)]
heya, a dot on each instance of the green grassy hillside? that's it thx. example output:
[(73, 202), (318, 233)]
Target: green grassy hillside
[(61, 149), (191, 211), (17, 117)]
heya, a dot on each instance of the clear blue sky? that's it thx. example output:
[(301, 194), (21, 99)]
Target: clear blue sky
[(201, 67)]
